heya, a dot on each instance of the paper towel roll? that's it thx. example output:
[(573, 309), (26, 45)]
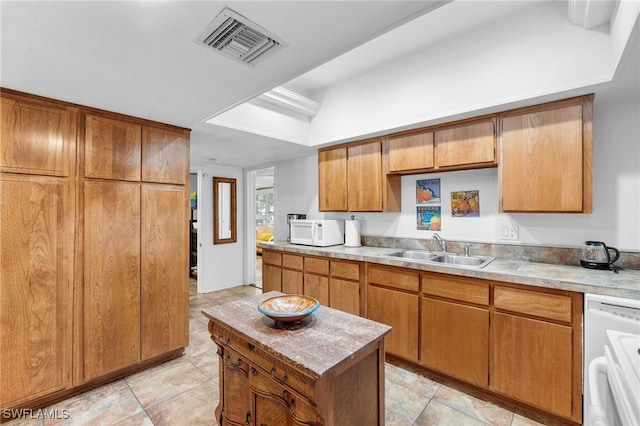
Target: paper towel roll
[(352, 233)]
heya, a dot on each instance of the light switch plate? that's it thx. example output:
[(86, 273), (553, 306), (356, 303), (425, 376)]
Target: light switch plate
[(509, 232)]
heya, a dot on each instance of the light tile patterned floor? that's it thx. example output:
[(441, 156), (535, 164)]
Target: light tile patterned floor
[(185, 391)]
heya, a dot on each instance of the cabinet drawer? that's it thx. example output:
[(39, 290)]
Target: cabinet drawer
[(271, 257), (552, 306), (292, 261), (346, 270), (317, 266), (456, 288), (396, 278), (257, 357)]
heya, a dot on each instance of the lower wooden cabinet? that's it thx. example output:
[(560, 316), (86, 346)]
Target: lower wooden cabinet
[(317, 286), (531, 360), (514, 341), (334, 283), (271, 271), (397, 307), (454, 326), (536, 344), (344, 295), (36, 287), (111, 277), (455, 340), (164, 289), (519, 342)]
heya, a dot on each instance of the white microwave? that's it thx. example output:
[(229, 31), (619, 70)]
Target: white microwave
[(320, 233)]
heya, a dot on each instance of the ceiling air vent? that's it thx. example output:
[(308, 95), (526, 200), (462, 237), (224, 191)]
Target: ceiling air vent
[(237, 37)]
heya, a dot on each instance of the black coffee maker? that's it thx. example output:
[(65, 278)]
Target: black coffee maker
[(595, 255)]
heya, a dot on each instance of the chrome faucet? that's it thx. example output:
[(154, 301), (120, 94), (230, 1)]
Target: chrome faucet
[(467, 247), (442, 244)]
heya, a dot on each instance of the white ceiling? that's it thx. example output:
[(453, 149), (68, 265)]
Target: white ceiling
[(142, 59)]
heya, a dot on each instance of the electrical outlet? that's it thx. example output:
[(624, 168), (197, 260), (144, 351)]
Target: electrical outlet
[(509, 232)]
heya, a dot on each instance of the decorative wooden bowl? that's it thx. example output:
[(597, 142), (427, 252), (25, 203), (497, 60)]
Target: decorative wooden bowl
[(288, 308)]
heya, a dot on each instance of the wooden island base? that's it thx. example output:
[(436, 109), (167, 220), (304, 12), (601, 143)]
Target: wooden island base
[(326, 370)]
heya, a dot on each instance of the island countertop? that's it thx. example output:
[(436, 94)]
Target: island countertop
[(572, 278), (317, 346)]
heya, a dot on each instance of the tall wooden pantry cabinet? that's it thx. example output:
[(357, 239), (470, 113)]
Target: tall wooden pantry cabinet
[(94, 267)]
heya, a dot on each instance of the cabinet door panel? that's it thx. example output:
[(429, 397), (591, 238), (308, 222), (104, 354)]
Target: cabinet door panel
[(165, 285), (292, 281), (236, 393), (165, 155), (542, 161), (400, 311), (455, 340), (410, 152), (112, 149), (111, 276), (531, 361), (37, 138), (470, 143), (271, 278), (36, 272), (317, 287), (344, 295), (332, 179), (365, 177)]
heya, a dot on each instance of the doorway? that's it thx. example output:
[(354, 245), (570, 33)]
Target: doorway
[(193, 233), (261, 214)]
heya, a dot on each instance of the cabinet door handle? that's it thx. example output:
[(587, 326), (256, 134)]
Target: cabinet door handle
[(248, 418), (291, 401), (254, 371), (250, 346)]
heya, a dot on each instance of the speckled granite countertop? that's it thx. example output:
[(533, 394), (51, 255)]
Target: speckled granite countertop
[(626, 283), (319, 344)]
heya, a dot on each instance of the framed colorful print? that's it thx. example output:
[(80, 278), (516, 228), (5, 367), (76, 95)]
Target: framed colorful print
[(429, 218), (428, 191), (465, 203)]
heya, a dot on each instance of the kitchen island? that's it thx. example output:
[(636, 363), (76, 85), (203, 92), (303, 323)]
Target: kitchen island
[(327, 369)]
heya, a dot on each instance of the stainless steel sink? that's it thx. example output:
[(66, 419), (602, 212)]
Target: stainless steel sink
[(455, 259), (443, 258), (414, 254)]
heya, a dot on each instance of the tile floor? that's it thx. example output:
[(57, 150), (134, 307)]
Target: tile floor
[(185, 391)]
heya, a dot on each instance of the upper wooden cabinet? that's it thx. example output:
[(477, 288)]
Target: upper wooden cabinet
[(112, 148), (546, 158), (332, 179), (165, 155), (364, 186), (468, 144), (410, 151), (38, 137), (353, 178)]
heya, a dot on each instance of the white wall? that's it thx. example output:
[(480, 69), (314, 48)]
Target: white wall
[(296, 192), (219, 266), (507, 62), (616, 194)]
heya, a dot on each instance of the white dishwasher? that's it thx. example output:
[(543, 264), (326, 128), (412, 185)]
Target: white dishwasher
[(606, 402)]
